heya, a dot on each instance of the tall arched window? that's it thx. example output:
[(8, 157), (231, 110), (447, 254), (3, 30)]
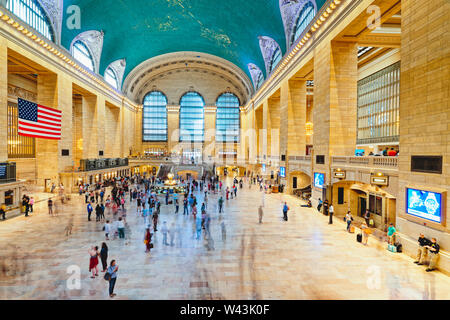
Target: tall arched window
[(32, 13), (276, 58), (260, 80), (81, 52), (227, 118), (305, 17), (192, 117), (154, 117), (111, 78)]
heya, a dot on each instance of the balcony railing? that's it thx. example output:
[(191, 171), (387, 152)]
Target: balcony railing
[(367, 162)]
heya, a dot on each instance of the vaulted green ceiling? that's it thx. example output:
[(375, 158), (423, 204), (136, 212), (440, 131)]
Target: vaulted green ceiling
[(141, 29)]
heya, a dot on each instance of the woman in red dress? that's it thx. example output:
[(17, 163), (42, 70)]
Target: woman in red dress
[(93, 262), (148, 240)]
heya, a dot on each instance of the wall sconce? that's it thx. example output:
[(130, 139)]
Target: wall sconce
[(309, 128)]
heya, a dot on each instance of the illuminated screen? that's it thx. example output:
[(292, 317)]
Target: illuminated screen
[(283, 172), (319, 180), (424, 204), (263, 168), (359, 152)]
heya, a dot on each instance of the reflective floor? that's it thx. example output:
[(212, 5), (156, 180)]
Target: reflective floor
[(304, 258)]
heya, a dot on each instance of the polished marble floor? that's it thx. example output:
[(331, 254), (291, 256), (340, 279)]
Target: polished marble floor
[(304, 258)]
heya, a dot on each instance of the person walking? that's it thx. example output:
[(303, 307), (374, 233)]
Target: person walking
[(112, 271), (367, 217), (31, 204), (220, 204), (365, 231), (260, 214), (104, 256), (331, 212), (285, 211), (147, 240), (177, 206), (349, 220), (89, 210), (107, 229), (98, 213), (121, 228), (319, 206), (50, 206), (155, 221), (185, 207), (164, 231), (93, 261)]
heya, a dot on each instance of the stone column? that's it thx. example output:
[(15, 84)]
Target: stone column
[(292, 123), (334, 114), (173, 123), (424, 110), (266, 127), (77, 130), (64, 87), (89, 127), (273, 131), (101, 126), (3, 99), (47, 151)]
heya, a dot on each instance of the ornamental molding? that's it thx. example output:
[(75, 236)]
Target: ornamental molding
[(93, 40), (118, 67), (255, 72), (54, 11), (290, 10), (268, 47), (15, 92)]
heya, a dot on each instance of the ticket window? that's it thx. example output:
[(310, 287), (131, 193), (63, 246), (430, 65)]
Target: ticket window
[(9, 198)]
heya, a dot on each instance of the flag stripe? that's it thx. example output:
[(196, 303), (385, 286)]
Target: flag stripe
[(35, 135), (49, 114), (51, 110), (41, 124), (40, 129), (40, 116)]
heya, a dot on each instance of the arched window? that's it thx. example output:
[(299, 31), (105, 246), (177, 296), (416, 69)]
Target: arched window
[(260, 80), (276, 58), (192, 117), (32, 13), (154, 117), (305, 17), (81, 52), (111, 78), (227, 118)]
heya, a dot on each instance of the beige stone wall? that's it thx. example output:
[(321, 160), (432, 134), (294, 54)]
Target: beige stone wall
[(424, 107)]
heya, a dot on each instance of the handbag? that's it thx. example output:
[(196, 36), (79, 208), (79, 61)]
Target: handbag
[(151, 245), (107, 276)]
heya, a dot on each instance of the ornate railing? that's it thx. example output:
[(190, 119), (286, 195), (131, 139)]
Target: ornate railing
[(367, 162)]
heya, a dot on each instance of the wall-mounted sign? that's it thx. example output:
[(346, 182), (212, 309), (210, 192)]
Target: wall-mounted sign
[(424, 204), (339, 174), (319, 180), (283, 172), (379, 180)]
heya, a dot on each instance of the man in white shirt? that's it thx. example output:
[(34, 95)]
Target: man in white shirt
[(107, 229), (331, 212)]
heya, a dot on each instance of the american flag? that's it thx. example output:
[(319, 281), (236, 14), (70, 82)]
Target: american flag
[(38, 121)]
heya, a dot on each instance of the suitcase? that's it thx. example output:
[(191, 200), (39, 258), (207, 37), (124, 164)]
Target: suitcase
[(399, 247), (359, 237), (352, 229), (392, 248)]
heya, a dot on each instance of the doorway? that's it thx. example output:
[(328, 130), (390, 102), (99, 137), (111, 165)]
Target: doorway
[(362, 206)]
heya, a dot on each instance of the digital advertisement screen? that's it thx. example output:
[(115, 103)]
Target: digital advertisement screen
[(319, 180), (359, 152), (283, 172), (263, 168), (424, 204), (2, 171)]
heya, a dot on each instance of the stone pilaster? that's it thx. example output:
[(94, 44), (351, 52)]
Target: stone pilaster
[(89, 127), (3, 100), (334, 113), (47, 151), (65, 104)]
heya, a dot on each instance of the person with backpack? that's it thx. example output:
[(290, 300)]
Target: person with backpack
[(285, 211)]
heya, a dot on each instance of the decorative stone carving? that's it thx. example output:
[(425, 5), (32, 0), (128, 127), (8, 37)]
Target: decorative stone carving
[(54, 11), (255, 72), (290, 10), (268, 47), (17, 92), (93, 39), (118, 67)]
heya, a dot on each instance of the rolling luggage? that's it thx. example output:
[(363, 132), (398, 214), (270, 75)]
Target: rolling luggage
[(392, 248), (399, 247), (352, 229), (359, 237)]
